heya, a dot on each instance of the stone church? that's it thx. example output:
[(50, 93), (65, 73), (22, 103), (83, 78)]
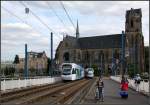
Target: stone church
[(100, 50)]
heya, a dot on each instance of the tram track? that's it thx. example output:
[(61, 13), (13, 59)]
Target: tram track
[(62, 96), (33, 95), (5, 97)]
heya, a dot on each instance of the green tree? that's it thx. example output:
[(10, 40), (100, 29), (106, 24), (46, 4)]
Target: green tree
[(131, 70), (146, 51), (9, 71), (48, 65), (16, 60), (96, 71)]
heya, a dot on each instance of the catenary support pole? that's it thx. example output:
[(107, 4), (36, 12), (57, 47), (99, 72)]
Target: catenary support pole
[(51, 67), (123, 53), (26, 63)]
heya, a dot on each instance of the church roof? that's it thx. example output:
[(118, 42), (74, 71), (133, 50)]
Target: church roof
[(100, 42)]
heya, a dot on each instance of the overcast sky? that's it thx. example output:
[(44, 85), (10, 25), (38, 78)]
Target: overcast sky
[(95, 18)]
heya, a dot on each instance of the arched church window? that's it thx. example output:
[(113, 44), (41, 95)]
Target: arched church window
[(79, 56), (66, 56), (116, 54), (96, 55), (132, 23), (66, 44), (86, 56), (101, 55)]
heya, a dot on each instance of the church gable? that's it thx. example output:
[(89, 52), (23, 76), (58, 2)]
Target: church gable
[(69, 42)]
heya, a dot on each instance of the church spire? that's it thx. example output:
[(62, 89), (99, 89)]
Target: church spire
[(77, 30)]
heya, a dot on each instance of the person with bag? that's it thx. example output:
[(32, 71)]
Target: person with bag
[(137, 82)]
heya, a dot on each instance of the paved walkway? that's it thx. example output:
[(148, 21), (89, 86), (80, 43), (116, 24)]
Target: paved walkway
[(112, 95), (143, 87)]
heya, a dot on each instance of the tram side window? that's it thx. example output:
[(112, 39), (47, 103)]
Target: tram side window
[(77, 72), (73, 71)]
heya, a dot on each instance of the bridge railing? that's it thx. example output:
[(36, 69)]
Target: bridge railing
[(16, 83), (143, 87)]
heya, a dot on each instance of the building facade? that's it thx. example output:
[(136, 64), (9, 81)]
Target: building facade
[(37, 63), (102, 50)]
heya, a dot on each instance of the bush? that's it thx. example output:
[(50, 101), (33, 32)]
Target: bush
[(96, 71), (131, 71), (145, 75), (9, 71)]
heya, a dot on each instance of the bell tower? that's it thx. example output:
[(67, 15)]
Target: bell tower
[(133, 20), (135, 40)]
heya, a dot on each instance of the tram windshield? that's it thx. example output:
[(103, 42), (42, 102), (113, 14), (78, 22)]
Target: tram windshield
[(66, 71)]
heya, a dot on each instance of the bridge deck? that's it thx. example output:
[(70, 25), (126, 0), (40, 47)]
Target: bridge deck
[(112, 95)]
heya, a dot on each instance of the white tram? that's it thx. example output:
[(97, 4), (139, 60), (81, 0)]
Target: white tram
[(72, 71)]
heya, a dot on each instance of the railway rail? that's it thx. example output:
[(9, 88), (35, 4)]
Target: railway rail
[(56, 93), (65, 95)]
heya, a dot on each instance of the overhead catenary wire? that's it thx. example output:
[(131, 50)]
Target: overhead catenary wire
[(67, 14), (41, 21), (37, 17), (11, 13), (20, 19), (57, 16)]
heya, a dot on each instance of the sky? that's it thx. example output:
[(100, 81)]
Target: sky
[(95, 18)]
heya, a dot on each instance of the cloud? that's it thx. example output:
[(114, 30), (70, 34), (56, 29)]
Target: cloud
[(16, 26), (17, 31), (15, 35), (95, 18)]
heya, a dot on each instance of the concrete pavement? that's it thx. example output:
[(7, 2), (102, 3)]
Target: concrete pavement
[(112, 96)]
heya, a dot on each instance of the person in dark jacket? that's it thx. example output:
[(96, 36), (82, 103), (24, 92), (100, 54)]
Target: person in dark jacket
[(100, 85)]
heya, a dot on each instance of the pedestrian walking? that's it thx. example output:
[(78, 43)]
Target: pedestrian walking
[(97, 91), (137, 82), (124, 84), (124, 87), (100, 87)]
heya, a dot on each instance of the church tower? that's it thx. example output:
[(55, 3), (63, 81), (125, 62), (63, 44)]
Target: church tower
[(135, 40), (77, 31)]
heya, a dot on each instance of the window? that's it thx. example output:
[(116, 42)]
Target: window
[(73, 71), (66, 56), (96, 56), (77, 72), (116, 54), (66, 71), (132, 23), (86, 56), (66, 44), (79, 56)]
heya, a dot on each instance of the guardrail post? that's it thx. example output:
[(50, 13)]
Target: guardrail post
[(19, 83), (30, 82), (143, 84), (4, 84), (25, 82)]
